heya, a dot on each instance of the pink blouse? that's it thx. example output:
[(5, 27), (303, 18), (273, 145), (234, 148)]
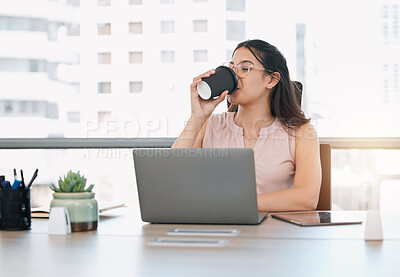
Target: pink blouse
[(274, 151)]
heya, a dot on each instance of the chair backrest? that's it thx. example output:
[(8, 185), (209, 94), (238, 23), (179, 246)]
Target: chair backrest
[(325, 203), (299, 90)]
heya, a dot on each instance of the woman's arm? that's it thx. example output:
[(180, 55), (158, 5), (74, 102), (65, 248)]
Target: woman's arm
[(307, 180), (193, 133), (191, 136)]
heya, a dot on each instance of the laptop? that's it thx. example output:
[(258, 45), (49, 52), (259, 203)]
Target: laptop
[(197, 186)]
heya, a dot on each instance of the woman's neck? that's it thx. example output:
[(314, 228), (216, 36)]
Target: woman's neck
[(252, 118)]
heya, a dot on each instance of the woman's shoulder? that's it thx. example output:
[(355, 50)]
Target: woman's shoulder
[(306, 132)]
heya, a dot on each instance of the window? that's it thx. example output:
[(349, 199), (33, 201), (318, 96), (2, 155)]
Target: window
[(200, 56), (36, 107), (300, 51), (36, 66), (167, 27), (167, 56), (8, 107), (104, 58), (76, 87), (77, 59), (136, 87), (135, 2), (104, 116), (51, 70), (104, 87), (135, 57), (23, 107), (391, 89), (229, 55), (73, 30), (28, 108), (136, 28), (390, 24), (375, 179), (75, 3), (22, 65), (315, 49), (17, 23), (51, 111), (74, 117), (103, 3), (235, 30), (236, 5), (52, 29), (104, 29), (199, 26)]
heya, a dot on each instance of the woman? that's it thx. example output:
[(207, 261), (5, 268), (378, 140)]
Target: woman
[(264, 115)]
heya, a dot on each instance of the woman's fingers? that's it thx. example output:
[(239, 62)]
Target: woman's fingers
[(198, 79), (195, 83), (220, 98), (204, 75)]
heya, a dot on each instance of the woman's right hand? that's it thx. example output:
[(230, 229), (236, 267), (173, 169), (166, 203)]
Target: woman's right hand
[(201, 107)]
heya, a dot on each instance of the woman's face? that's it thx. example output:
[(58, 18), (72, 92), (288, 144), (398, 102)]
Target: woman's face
[(254, 86)]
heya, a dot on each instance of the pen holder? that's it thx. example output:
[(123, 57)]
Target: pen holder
[(15, 209)]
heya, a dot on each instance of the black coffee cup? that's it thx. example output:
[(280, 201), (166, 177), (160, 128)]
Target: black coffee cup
[(223, 79)]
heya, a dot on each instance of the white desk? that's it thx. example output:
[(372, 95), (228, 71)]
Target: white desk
[(274, 248)]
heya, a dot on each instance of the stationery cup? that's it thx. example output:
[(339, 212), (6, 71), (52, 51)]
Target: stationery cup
[(15, 209), (223, 79)]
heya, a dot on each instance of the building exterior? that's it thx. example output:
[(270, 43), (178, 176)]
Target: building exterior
[(390, 40), (137, 59), (31, 49), (123, 68)]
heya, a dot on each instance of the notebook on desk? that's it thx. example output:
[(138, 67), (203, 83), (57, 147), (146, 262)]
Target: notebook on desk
[(197, 186), (44, 211)]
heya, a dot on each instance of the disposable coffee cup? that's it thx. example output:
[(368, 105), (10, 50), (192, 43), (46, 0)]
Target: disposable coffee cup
[(223, 79)]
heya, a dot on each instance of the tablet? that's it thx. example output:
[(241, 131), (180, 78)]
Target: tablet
[(318, 218)]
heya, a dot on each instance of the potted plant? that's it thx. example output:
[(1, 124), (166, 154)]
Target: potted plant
[(80, 202)]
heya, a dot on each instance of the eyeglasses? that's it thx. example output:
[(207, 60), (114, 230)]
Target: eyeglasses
[(243, 69)]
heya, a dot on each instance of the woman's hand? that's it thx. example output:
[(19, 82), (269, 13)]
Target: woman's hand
[(201, 107)]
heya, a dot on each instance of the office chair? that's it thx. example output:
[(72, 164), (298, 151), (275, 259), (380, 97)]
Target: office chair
[(325, 203)]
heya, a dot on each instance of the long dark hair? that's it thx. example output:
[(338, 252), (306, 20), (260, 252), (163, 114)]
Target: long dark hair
[(285, 102)]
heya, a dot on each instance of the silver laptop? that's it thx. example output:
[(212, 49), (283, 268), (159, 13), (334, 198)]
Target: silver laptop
[(197, 186)]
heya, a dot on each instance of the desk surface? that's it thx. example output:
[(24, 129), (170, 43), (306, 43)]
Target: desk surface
[(120, 248)]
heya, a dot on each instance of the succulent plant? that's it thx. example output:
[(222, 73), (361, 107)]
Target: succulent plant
[(73, 182)]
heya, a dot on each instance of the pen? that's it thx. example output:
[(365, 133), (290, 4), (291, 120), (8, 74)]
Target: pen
[(22, 180), (33, 178), (5, 185), (17, 182), (2, 182)]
